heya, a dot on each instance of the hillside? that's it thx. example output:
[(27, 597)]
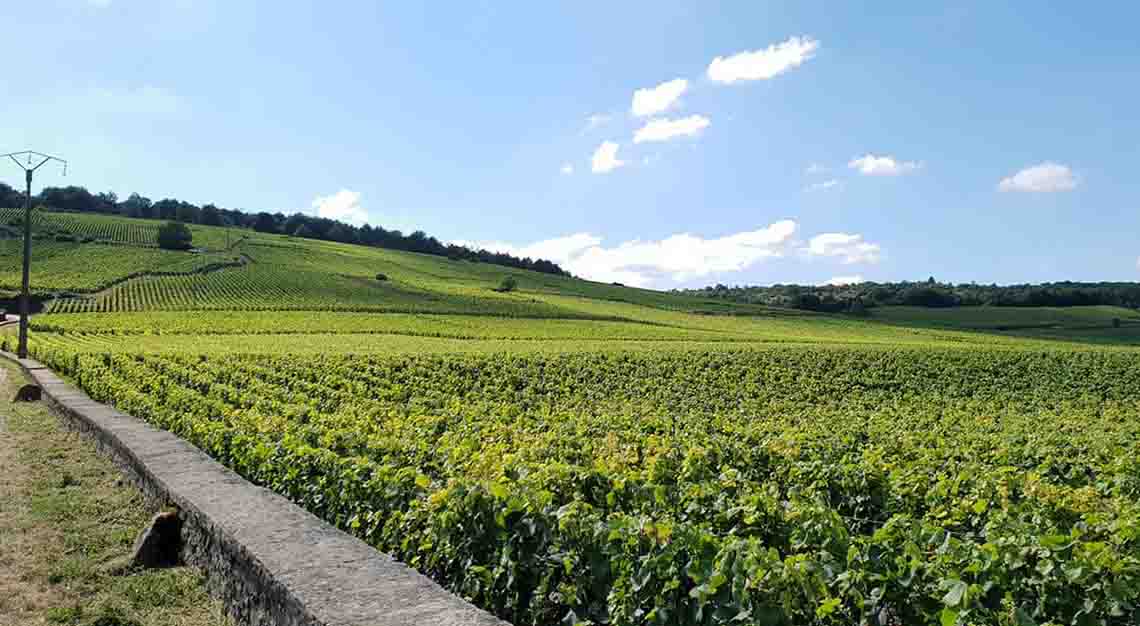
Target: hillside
[(241, 282), (568, 450)]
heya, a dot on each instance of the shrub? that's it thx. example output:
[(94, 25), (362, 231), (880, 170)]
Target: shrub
[(508, 284), (174, 236), (381, 276)]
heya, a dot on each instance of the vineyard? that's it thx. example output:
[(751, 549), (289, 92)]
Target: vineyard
[(779, 486), (571, 452), (112, 229), (73, 267)]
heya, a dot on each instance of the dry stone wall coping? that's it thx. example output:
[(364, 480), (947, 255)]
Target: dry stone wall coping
[(270, 561)]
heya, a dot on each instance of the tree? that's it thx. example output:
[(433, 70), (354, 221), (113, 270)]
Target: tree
[(342, 233), (210, 216), (174, 236), (294, 222), (108, 200), (68, 198), (265, 223), (166, 209), (508, 284), (136, 206), (9, 197), (187, 213)]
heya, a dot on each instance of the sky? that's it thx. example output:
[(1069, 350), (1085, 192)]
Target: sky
[(657, 144)]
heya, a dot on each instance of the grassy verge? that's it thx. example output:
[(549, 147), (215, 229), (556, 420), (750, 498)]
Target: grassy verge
[(65, 519)]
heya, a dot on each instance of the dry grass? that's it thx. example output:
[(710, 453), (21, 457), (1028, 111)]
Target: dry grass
[(65, 517)]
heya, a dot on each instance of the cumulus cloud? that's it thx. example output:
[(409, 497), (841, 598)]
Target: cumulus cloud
[(343, 205), (566, 169), (1045, 177), (654, 100), (848, 248), (839, 281), (145, 100), (605, 158), (666, 129), (643, 263), (763, 64), (823, 186), (871, 165)]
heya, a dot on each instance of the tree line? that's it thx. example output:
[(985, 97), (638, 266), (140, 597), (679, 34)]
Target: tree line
[(79, 199), (858, 297)]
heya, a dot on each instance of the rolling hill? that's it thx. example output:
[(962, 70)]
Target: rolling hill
[(568, 450)]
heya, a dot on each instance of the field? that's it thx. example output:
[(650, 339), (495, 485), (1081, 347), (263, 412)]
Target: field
[(112, 229), (575, 452)]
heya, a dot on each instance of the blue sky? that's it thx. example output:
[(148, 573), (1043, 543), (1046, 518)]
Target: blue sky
[(985, 142)]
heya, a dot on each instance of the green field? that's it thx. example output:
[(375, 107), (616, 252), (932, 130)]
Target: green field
[(577, 452), (119, 230)]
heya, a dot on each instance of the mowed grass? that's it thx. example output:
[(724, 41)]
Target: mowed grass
[(64, 517)]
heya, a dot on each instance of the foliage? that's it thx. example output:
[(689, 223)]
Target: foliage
[(78, 268), (110, 229), (9, 197), (790, 486), (507, 284), (930, 293), (579, 452), (174, 236)]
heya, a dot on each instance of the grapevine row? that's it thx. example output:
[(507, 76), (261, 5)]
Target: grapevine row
[(788, 486)]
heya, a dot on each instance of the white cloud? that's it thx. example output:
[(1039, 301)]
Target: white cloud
[(763, 64), (566, 169), (1047, 177), (343, 205), (871, 165), (848, 248), (816, 168), (145, 100), (823, 186), (666, 129), (643, 263), (657, 99), (605, 158), (839, 281)]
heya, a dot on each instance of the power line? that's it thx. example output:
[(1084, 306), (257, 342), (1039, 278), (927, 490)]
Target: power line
[(29, 161)]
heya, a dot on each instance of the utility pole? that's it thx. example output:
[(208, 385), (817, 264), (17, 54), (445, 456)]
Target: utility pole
[(29, 170)]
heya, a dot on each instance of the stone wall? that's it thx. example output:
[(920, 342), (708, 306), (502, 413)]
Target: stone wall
[(270, 561)]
